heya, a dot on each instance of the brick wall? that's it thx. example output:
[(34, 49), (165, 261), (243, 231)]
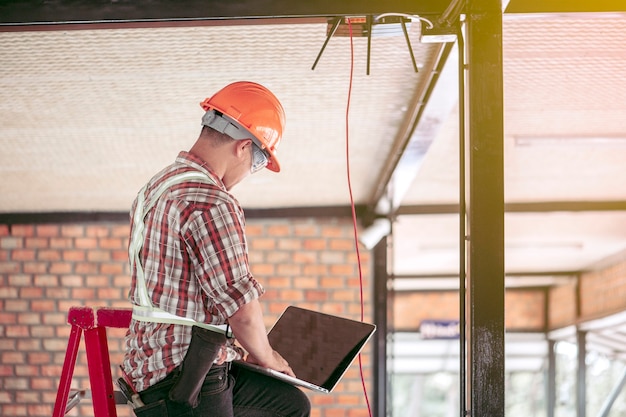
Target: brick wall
[(524, 309), (45, 269)]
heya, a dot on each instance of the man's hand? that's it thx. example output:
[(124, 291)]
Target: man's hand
[(278, 363), (249, 329)]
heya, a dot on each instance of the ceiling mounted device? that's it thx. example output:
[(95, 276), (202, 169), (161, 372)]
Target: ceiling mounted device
[(387, 24)]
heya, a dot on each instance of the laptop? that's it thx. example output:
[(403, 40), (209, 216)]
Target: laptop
[(318, 347)]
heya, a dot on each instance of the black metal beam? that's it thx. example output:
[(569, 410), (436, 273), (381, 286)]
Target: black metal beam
[(124, 217), (37, 12), (531, 207), (581, 378), (485, 207), (381, 313), (322, 211)]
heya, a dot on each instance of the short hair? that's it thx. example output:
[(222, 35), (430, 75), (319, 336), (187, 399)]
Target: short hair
[(216, 138)]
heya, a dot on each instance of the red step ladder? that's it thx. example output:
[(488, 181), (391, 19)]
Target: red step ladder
[(93, 323)]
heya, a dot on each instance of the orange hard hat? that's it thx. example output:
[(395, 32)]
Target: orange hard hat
[(247, 110)]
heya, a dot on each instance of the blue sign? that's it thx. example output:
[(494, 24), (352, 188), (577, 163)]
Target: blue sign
[(440, 329)]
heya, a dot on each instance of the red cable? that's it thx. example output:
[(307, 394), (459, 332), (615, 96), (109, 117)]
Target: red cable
[(354, 222)]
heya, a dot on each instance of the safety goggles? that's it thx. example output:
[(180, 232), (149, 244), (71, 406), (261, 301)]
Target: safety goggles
[(259, 159)]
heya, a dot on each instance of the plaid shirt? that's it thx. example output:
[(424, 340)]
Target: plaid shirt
[(195, 265)]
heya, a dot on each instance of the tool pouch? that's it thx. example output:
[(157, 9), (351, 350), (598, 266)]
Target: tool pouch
[(203, 349)]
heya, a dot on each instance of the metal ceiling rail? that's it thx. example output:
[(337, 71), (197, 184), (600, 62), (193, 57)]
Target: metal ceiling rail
[(54, 12)]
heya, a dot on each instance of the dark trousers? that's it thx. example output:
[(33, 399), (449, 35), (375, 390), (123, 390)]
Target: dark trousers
[(229, 393)]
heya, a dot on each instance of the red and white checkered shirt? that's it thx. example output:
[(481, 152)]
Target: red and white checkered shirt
[(195, 264)]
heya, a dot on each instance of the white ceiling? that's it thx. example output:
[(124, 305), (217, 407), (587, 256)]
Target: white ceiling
[(87, 116)]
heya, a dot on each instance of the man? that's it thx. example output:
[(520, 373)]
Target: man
[(190, 273)]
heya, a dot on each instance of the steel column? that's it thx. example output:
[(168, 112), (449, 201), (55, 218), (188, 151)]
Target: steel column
[(551, 380), (485, 207), (381, 322), (581, 380)]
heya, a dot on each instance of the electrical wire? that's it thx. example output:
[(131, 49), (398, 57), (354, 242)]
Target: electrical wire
[(352, 207), (408, 16)]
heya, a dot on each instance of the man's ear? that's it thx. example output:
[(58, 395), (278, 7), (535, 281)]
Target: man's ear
[(242, 146)]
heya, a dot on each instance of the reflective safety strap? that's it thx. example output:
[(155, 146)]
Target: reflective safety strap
[(146, 311), (157, 315)]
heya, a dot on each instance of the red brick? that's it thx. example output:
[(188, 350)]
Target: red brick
[(28, 318), (262, 244), (98, 281), (43, 305), (12, 357), (276, 257), (291, 295), (54, 345), (111, 268), (60, 267), (23, 230), (72, 231), (23, 255), (74, 255), (85, 268), (98, 256), (71, 281), (83, 293), (97, 231), (49, 255), (315, 244), (343, 270), (16, 305), (40, 410), (342, 244), (61, 243), (9, 267), (311, 295), (315, 269), (36, 358), (336, 282), (48, 230), (304, 257), (8, 318), (120, 255), (11, 243), (305, 282), (54, 318), (8, 292), (16, 280), (36, 243), (6, 398), (7, 370), (34, 267), (254, 230), (86, 243), (109, 293), (57, 292), (120, 231), (289, 270), (110, 243), (29, 344), (46, 281), (27, 370), (305, 230), (278, 230), (43, 384), (42, 331), (14, 410), (263, 269), (290, 244)]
